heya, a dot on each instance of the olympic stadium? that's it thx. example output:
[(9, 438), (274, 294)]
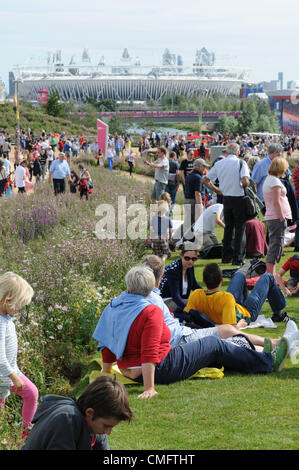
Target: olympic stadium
[(128, 81)]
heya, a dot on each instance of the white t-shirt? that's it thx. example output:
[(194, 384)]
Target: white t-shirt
[(50, 155), (20, 174), (272, 181), (110, 153), (207, 221), (7, 165), (44, 144)]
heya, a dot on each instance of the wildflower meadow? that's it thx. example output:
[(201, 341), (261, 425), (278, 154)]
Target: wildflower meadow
[(52, 243)]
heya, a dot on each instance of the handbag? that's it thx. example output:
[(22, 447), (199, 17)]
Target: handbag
[(250, 207)]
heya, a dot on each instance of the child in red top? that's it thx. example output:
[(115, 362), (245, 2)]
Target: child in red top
[(290, 287)]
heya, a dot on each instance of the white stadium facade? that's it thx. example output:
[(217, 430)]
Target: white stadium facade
[(129, 81)]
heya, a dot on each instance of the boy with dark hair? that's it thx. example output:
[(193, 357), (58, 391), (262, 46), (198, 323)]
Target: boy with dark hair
[(236, 305), (63, 423), (212, 276)]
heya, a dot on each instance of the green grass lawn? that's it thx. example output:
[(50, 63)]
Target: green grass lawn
[(237, 412)]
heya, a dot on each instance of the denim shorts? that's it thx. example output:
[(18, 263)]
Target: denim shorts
[(158, 189)]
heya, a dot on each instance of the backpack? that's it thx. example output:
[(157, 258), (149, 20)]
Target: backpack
[(253, 268)]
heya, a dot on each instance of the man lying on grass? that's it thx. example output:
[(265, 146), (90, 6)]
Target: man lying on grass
[(236, 306)]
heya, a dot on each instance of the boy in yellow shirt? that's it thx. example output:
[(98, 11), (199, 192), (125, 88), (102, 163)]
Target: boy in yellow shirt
[(236, 305)]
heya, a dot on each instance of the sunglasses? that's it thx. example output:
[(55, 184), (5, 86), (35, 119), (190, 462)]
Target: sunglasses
[(187, 258)]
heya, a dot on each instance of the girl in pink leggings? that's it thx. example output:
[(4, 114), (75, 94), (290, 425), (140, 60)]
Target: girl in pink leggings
[(15, 293)]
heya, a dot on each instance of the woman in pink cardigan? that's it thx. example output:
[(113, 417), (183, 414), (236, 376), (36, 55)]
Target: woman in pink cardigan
[(277, 210), (296, 186)]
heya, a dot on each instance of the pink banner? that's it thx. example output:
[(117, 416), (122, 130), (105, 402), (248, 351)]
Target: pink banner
[(102, 129)]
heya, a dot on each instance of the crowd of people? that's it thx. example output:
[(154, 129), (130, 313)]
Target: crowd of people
[(214, 195), (167, 324), (253, 145), (37, 157), (26, 168)]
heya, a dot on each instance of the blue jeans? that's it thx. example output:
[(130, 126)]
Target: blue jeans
[(44, 170), (183, 361), (110, 163), (265, 287)]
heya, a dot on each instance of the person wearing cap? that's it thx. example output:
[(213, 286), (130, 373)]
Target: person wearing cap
[(233, 175), (194, 193), (291, 287), (59, 170)]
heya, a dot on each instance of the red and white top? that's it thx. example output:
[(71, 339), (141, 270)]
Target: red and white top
[(148, 340)]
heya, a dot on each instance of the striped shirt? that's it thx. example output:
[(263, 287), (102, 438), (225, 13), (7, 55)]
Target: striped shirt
[(8, 350)]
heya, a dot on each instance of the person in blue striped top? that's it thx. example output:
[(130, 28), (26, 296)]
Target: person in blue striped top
[(15, 294)]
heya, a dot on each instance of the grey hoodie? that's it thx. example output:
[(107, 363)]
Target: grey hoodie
[(59, 425)]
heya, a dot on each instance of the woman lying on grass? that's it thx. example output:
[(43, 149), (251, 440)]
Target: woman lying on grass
[(132, 332)]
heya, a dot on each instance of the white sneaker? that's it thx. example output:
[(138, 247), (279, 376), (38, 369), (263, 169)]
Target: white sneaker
[(292, 334)]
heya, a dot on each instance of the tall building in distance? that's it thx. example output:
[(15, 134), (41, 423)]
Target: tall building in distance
[(280, 79)]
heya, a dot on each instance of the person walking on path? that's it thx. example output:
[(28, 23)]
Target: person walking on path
[(59, 170)]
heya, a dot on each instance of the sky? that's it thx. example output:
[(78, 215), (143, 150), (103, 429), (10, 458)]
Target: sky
[(260, 35)]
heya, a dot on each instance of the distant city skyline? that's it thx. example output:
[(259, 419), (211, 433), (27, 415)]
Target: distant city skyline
[(260, 36)]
